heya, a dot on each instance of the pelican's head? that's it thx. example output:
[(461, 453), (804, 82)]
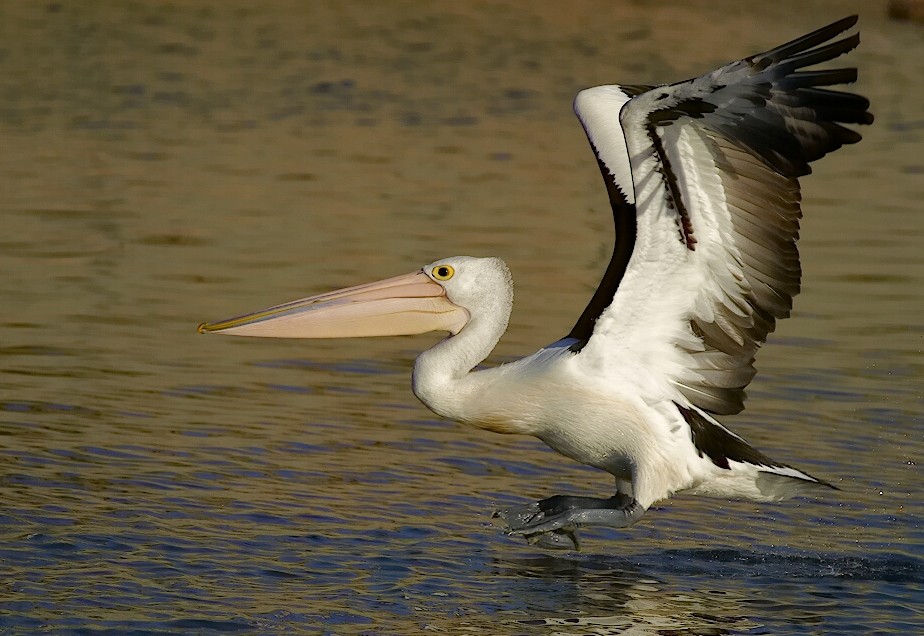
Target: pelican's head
[(442, 296)]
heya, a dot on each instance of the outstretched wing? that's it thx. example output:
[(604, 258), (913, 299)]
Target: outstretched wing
[(703, 180)]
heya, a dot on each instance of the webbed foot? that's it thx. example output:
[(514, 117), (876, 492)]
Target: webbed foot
[(551, 523)]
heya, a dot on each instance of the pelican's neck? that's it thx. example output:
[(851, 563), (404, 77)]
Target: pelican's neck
[(442, 374)]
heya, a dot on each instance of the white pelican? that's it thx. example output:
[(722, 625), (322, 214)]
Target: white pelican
[(702, 176)]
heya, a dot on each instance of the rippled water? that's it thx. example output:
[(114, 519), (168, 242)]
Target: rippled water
[(163, 164)]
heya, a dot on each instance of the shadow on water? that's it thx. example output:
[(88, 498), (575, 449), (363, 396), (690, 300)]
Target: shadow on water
[(726, 562), (706, 591)]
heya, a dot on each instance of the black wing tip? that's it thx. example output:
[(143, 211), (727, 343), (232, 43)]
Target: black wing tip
[(837, 106), (808, 41), (784, 68), (849, 21), (844, 23)]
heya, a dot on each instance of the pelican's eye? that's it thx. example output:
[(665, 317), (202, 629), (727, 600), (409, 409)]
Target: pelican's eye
[(443, 272)]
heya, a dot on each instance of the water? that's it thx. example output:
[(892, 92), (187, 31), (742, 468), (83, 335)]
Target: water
[(163, 164)]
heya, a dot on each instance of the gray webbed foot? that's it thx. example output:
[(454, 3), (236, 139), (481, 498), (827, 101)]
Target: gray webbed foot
[(551, 523)]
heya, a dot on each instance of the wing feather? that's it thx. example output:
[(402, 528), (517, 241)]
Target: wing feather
[(714, 164)]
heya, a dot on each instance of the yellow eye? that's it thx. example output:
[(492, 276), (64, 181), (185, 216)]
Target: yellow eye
[(443, 272)]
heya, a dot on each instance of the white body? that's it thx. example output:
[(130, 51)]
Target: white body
[(598, 419)]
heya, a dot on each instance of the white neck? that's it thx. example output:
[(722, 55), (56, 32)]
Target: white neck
[(442, 375)]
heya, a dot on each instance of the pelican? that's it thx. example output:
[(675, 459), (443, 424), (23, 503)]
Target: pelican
[(702, 177)]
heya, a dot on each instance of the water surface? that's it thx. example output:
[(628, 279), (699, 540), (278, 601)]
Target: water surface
[(163, 164)]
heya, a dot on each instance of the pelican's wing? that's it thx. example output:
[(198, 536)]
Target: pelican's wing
[(703, 178)]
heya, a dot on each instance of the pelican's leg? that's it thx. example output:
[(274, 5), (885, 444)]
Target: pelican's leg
[(550, 521)]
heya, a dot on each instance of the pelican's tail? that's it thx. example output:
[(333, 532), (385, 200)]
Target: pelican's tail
[(740, 469), (784, 482)]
